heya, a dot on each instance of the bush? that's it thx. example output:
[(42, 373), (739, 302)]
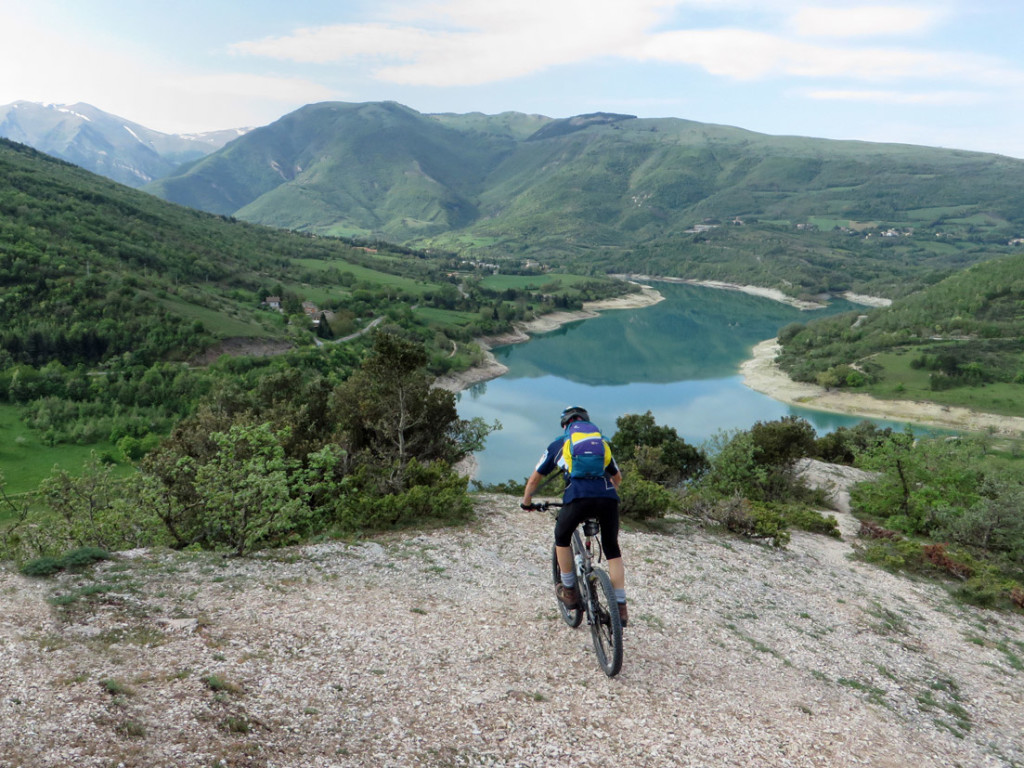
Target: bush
[(844, 444), (75, 560), (434, 493), (660, 453), (810, 520), (42, 567), (247, 501), (642, 499), (749, 519)]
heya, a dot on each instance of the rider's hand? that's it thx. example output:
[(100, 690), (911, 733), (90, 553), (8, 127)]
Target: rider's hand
[(525, 505)]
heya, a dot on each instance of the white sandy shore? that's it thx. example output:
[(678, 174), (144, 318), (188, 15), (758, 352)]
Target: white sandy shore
[(754, 290), (761, 374)]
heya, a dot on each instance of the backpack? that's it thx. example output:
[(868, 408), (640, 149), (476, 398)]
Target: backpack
[(585, 451)]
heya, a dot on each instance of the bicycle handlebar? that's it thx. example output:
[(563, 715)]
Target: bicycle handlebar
[(540, 506)]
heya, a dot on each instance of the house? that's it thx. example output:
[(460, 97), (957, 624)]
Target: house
[(274, 302)]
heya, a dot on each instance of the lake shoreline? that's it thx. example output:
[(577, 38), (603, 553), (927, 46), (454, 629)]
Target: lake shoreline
[(492, 369), (765, 293), (762, 374)]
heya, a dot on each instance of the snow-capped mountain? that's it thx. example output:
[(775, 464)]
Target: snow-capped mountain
[(106, 144)]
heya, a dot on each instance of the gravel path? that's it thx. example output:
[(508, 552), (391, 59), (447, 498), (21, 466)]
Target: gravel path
[(445, 648)]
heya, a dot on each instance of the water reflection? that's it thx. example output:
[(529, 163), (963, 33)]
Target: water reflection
[(678, 359)]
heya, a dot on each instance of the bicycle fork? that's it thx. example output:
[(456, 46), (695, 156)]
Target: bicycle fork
[(585, 585)]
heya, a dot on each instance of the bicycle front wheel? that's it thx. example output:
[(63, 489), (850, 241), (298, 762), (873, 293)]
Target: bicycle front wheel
[(571, 616), (605, 624)]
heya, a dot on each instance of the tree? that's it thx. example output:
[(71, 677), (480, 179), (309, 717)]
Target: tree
[(390, 411), (921, 484), (246, 491), (673, 461)]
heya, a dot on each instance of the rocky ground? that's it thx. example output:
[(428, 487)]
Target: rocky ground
[(445, 648)]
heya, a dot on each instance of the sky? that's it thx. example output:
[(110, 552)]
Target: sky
[(943, 73)]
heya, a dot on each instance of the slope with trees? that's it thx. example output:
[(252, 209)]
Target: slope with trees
[(111, 297), (957, 342)]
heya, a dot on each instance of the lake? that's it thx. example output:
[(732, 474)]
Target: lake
[(678, 359)]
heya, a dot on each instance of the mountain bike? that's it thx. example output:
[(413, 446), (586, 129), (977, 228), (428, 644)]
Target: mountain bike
[(597, 598)]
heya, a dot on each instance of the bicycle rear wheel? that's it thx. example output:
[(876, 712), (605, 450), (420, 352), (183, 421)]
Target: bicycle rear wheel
[(606, 626), (571, 616)]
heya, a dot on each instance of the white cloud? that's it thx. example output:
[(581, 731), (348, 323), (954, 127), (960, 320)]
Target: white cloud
[(747, 55), (865, 20), (464, 42), (936, 99)]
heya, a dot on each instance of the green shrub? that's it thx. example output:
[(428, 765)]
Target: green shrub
[(433, 494), (642, 499), (42, 567), (749, 519), (660, 454), (811, 520), (75, 560), (83, 557), (247, 500)]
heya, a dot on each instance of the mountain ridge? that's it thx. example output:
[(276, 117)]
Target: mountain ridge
[(615, 193), (103, 143)]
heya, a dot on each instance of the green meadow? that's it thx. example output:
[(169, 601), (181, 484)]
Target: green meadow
[(24, 458)]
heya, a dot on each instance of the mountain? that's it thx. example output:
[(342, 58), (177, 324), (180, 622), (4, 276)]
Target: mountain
[(106, 144), (380, 169), (608, 192)]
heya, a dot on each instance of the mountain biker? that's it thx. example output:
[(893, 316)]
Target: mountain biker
[(584, 498)]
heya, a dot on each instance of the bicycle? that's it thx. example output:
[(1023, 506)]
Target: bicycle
[(597, 598)]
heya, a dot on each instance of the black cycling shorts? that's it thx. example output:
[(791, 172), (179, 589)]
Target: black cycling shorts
[(575, 512)]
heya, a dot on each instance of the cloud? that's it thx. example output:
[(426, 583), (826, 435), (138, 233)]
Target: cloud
[(865, 20), (935, 99), (464, 42), (748, 55)]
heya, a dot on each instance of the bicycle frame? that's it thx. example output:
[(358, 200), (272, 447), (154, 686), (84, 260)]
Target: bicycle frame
[(597, 598)]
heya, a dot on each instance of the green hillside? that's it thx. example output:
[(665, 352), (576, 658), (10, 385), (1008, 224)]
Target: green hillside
[(613, 193), (959, 342), (112, 301), (374, 169)]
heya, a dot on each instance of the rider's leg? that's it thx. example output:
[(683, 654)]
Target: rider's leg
[(564, 555), (617, 573)]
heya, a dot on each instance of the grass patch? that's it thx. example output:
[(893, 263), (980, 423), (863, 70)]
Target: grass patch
[(74, 560), (446, 318), (218, 684), (534, 282), (116, 687), (874, 695), (26, 460), (901, 382)]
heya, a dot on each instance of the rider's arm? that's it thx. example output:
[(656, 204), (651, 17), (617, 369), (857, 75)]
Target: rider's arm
[(532, 483), (614, 473)]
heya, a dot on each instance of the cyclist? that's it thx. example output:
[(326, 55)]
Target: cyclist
[(584, 498)]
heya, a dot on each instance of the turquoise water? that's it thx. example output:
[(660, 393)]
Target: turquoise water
[(678, 359)]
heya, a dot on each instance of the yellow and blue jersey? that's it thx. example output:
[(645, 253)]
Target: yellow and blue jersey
[(578, 487)]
